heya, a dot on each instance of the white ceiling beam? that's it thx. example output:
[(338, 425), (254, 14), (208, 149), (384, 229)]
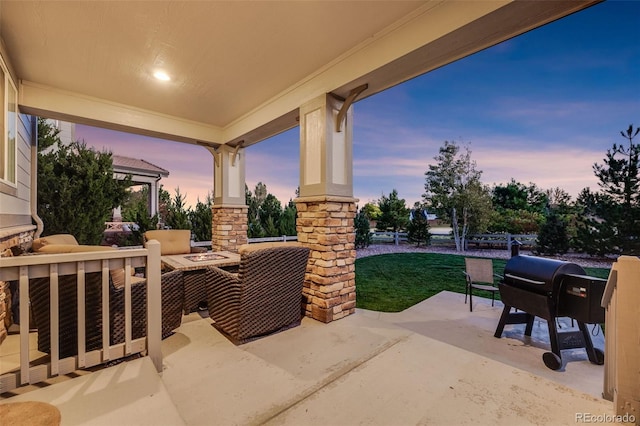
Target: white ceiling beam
[(44, 101)]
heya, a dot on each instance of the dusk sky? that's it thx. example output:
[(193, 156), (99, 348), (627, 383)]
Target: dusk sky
[(541, 108)]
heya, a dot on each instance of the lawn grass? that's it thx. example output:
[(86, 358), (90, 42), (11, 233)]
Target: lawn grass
[(395, 282)]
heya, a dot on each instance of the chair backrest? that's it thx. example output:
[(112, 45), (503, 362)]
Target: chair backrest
[(272, 280), (272, 265), (39, 298), (480, 270), (172, 241)]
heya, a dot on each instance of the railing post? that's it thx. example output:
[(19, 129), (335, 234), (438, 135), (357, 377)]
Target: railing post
[(396, 237), (24, 325), (154, 304), (622, 298), (508, 242)]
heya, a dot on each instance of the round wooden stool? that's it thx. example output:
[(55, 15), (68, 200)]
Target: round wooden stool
[(29, 413)]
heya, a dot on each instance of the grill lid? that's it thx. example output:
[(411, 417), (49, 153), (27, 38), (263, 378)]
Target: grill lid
[(538, 273)]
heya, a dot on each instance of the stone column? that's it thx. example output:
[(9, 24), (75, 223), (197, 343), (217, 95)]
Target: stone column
[(229, 211), (326, 209), (229, 230), (325, 225)]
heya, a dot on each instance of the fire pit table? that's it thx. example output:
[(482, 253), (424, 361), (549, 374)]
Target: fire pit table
[(194, 267)]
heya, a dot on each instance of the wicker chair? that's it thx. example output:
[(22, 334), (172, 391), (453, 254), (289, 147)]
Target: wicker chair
[(172, 295), (178, 241), (264, 297)]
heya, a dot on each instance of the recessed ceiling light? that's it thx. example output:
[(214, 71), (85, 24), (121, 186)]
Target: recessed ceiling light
[(161, 75)]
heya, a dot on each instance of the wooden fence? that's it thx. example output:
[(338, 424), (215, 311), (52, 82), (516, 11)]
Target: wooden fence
[(501, 241)]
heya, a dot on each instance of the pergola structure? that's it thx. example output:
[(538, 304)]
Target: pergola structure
[(142, 172), (236, 73)]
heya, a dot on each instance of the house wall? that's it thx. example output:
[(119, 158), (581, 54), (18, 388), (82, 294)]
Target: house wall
[(15, 201), (16, 229)]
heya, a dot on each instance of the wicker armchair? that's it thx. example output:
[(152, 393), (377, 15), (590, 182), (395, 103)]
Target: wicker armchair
[(264, 297), (172, 295), (178, 241)]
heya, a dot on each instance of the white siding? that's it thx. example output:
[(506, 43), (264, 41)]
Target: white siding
[(15, 206), (19, 205)]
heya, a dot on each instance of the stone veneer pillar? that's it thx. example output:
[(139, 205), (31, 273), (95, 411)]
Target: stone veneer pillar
[(21, 241), (325, 224), (229, 211), (229, 227)]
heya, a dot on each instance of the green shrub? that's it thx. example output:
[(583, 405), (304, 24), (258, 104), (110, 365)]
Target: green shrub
[(362, 228)]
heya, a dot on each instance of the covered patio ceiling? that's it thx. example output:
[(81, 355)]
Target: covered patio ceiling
[(239, 70)]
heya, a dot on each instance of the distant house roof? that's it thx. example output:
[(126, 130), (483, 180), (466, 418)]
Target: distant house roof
[(134, 166)]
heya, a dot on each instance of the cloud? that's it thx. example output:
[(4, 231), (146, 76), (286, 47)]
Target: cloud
[(569, 169)]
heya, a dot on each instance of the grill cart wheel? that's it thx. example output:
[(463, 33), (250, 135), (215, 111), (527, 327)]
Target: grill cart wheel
[(552, 361)]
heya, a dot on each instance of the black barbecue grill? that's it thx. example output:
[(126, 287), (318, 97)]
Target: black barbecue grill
[(549, 289)]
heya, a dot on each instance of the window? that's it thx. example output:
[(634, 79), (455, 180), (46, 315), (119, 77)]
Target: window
[(9, 127)]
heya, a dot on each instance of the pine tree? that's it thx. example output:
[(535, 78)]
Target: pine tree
[(612, 217), (76, 189), (552, 237), (394, 213), (363, 230), (288, 220), (418, 228), (201, 219), (136, 210), (178, 214)]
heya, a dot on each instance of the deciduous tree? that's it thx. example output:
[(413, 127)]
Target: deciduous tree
[(454, 191)]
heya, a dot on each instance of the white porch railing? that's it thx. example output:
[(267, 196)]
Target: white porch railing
[(24, 268), (283, 238), (119, 226)]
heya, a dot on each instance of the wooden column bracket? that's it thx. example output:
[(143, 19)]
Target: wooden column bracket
[(347, 104), (216, 155), (213, 150), (235, 153)]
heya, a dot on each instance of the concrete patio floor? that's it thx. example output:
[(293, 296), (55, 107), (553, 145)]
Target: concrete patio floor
[(434, 363)]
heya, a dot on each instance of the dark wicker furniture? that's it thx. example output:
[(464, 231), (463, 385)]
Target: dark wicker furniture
[(264, 297), (39, 294)]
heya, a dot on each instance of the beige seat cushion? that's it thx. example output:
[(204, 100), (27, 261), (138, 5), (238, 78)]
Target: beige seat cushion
[(172, 241), (117, 277), (66, 243), (41, 242)]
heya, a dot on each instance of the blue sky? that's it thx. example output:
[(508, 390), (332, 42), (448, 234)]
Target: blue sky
[(540, 108)]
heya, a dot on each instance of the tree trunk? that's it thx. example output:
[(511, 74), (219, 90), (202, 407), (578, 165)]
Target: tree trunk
[(465, 227), (455, 229)]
